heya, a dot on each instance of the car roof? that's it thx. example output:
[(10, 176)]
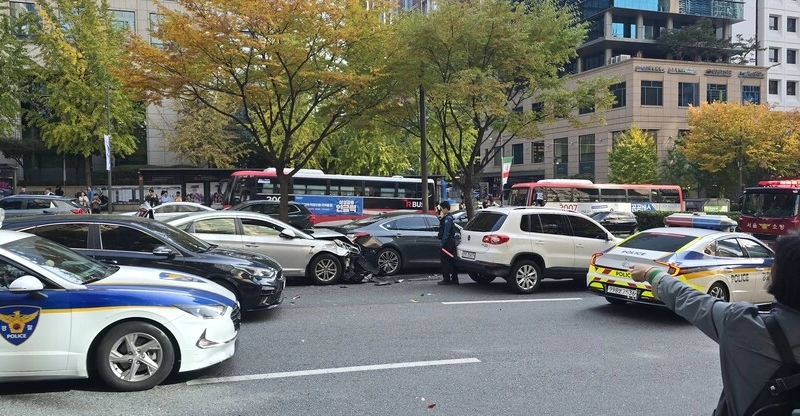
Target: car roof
[(33, 196), (7, 236), (509, 209), (67, 218)]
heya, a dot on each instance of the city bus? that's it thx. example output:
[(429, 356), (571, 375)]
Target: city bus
[(331, 197), (771, 209), (587, 197)]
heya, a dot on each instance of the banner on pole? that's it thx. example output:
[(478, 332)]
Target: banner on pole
[(107, 143), (506, 169)]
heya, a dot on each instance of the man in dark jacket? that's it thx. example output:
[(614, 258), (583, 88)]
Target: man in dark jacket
[(748, 357), (447, 245)]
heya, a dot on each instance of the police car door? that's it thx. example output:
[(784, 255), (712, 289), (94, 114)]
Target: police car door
[(762, 258), (738, 269), (35, 327)]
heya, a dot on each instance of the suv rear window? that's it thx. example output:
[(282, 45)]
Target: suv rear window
[(486, 222), (657, 241)]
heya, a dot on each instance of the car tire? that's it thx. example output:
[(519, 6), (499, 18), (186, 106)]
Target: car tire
[(720, 291), (389, 261), (480, 278), (525, 277), (114, 360), (616, 301), (325, 269)]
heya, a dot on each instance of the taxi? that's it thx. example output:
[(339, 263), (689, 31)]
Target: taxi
[(731, 266), (63, 315)]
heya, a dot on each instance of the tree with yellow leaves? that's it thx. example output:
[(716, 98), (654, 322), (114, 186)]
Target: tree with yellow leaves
[(745, 140), (298, 72), (634, 158)]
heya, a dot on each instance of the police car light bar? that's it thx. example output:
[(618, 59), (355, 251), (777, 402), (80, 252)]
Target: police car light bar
[(701, 220), (784, 183)]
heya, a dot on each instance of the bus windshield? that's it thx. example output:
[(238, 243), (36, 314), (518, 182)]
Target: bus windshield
[(770, 204), (519, 197)]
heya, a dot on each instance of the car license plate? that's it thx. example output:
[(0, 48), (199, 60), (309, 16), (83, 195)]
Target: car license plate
[(623, 291), (468, 255)]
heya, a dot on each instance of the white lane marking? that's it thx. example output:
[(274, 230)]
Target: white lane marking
[(336, 370), (474, 302)]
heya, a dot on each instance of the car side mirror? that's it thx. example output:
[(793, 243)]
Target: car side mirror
[(26, 283), (288, 233), (163, 251)]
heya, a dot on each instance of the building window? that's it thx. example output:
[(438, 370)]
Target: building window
[(615, 135), (716, 92), (619, 92), (498, 156), (773, 22), (773, 86), (537, 152), (19, 10), (688, 94), (155, 19), (751, 94), (518, 109), (124, 20), (652, 93), (586, 154), (773, 54), (623, 27), (652, 29), (791, 24), (516, 152), (791, 87), (791, 56), (560, 157)]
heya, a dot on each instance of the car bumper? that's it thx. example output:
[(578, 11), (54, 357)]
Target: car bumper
[(205, 342), (622, 289), (487, 268), (263, 296)]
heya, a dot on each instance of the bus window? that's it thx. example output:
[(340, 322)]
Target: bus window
[(381, 189), (638, 195), (612, 195), (347, 187), (410, 189), (670, 196), (586, 195), (264, 186), (309, 186), (558, 194), (655, 196), (519, 197)]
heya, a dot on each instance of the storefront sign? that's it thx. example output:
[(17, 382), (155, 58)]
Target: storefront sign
[(718, 72), (684, 71), (751, 74), (648, 68)]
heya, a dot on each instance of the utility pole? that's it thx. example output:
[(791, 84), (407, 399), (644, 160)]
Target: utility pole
[(107, 143), (423, 142)]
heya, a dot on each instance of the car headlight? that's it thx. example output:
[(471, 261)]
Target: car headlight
[(258, 273), (204, 311)]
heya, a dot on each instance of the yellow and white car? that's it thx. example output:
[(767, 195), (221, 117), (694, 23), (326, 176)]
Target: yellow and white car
[(63, 315), (731, 266)]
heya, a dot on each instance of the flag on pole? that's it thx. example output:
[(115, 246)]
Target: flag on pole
[(107, 143), (506, 169)]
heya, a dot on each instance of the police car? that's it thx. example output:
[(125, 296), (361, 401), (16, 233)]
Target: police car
[(63, 315), (729, 265)]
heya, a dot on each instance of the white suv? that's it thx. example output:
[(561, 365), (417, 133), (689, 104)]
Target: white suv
[(525, 244)]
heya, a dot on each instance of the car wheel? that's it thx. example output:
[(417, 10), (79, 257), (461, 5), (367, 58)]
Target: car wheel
[(389, 261), (719, 291), (480, 278), (134, 356), (616, 301), (525, 277), (325, 269)]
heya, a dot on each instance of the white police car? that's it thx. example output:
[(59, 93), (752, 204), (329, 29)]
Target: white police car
[(63, 315)]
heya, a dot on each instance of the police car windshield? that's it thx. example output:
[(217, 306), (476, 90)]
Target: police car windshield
[(67, 264)]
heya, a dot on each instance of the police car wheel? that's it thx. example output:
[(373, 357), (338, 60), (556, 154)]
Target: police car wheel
[(480, 278), (134, 356), (525, 277), (325, 269), (389, 261), (719, 291)]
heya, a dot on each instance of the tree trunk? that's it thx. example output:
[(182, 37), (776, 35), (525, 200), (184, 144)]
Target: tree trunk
[(87, 170), (283, 210), (466, 189)]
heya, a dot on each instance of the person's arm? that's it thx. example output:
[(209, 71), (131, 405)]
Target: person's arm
[(448, 223), (707, 313)]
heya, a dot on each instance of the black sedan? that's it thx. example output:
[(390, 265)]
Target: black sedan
[(401, 240), (299, 216), (618, 222), (256, 280)]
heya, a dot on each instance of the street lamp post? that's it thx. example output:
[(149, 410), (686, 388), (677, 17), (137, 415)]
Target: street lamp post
[(107, 143)]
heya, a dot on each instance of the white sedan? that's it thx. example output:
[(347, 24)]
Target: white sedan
[(171, 209), (62, 314)]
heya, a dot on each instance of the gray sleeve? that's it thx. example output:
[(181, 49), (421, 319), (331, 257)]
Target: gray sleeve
[(707, 313)]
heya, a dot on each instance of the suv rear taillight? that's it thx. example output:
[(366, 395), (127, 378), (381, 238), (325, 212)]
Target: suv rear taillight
[(76, 211), (495, 239), (312, 218)]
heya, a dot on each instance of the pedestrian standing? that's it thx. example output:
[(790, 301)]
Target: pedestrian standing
[(83, 200), (23, 190), (538, 198), (152, 198), (178, 197), (165, 197), (89, 193), (59, 191), (48, 191), (447, 245), (749, 357)]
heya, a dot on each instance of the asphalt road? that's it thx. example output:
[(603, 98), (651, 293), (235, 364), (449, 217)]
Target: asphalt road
[(415, 348)]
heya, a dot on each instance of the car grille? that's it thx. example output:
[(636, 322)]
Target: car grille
[(236, 317), (270, 295)]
